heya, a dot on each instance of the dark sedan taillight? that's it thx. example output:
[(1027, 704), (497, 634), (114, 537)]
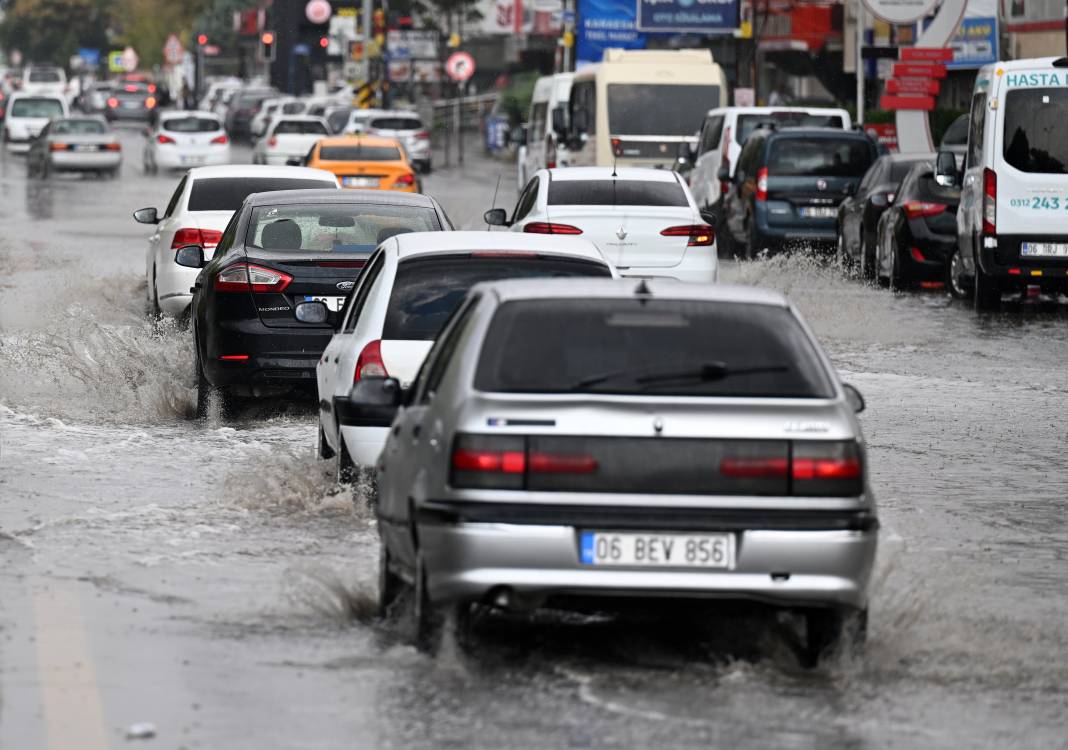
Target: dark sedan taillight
[(246, 277)]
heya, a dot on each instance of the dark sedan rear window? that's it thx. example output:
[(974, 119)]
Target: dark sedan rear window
[(228, 193), (615, 193), (822, 157), (359, 153), (656, 347), (428, 290)]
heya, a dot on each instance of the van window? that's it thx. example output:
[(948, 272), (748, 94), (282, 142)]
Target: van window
[(538, 115), (712, 133), (36, 107), (657, 109), (584, 98), (1034, 130), (976, 130), (825, 157)]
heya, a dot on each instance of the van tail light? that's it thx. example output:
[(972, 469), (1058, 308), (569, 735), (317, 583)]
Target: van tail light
[(990, 202), (220, 140), (701, 235), (547, 227), (206, 238), (369, 364), (917, 209), (724, 185), (164, 139), (272, 142), (550, 153), (246, 277), (826, 469), (405, 180), (762, 184)]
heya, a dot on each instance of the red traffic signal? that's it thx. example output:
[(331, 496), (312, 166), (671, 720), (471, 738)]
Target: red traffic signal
[(267, 37), (202, 39), (324, 42)]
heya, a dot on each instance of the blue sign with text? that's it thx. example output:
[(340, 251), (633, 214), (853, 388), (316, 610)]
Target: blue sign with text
[(976, 43), (693, 16), (603, 24)]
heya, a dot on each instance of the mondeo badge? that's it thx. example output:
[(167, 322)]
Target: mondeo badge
[(346, 286)]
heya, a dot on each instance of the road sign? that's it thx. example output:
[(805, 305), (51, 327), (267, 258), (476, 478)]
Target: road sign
[(90, 56), (318, 11), (926, 86), (173, 52), (460, 66), (907, 102), (919, 70), (115, 61), (130, 60)]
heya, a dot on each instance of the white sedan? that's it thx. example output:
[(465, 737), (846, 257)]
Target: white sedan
[(645, 221), (186, 139), (404, 295), (289, 137), (198, 212)]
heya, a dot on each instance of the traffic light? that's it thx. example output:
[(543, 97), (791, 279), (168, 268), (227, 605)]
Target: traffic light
[(267, 47), (202, 39), (324, 41)]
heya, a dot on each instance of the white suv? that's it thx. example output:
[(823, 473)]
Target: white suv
[(27, 114)]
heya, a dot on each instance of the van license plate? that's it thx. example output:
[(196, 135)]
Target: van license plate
[(1044, 249), (656, 550), (819, 212)]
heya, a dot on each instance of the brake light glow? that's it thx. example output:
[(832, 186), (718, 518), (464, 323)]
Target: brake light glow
[(917, 209), (58, 147), (827, 468), (701, 235), (369, 364), (405, 180), (506, 462), (762, 184), (206, 238), (234, 357), (113, 102), (164, 139), (548, 227), (272, 142), (113, 147), (150, 102), (220, 140), (917, 254), (990, 201), (246, 277)]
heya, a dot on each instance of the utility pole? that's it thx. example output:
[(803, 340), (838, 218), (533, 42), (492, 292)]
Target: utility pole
[(860, 61), (365, 63)]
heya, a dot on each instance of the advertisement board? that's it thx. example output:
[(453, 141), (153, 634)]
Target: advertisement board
[(976, 43), (692, 16), (603, 24)]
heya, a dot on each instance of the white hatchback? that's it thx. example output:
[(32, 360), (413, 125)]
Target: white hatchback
[(645, 221), (27, 114), (181, 140), (289, 137), (406, 292), (201, 207)]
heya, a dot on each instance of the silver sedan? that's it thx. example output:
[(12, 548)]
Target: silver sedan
[(83, 144), (570, 442)]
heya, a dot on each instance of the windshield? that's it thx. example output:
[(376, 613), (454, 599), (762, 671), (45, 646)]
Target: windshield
[(191, 125), (825, 157), (657, 109), (334, 227), (748, 123), (45, 76), (78, 127), (1034, 130), (396, 123), (300, 127), (36, 107), (615, 193), (650, 346), (359, 153), (228, 193), (428, 290)]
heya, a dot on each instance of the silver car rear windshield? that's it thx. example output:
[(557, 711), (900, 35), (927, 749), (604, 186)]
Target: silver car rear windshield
[(428, 290), (615, 193), (650, 347)]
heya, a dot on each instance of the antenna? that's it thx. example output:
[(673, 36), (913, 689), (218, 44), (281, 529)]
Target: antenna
[(495, 191)]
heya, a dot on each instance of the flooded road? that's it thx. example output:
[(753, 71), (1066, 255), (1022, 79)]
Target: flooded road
[(208, 578)]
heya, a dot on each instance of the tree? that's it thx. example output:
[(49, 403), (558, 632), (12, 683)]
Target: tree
[(146, 24), (51, 31)]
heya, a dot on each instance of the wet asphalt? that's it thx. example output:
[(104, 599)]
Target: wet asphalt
[(210, 580)]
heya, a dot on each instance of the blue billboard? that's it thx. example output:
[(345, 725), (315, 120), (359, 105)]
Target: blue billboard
[(976, 43), (603, 24), (688, 16)]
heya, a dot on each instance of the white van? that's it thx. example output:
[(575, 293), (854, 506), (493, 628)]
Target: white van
[(638, 106), (548, 114), (27, 114), (45, 79), (1012, 224), (725, 129)]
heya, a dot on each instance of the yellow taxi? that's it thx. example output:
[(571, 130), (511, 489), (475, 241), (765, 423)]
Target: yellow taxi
[(365, 162)]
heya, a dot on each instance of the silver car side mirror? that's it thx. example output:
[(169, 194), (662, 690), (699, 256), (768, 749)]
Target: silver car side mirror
[(854, 397)]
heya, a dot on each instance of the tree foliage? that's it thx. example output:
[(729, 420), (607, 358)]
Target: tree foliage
[(52, 30)]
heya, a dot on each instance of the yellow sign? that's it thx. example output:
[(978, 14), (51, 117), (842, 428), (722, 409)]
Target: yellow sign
[(568, 39), (115, 61), (454, 41), (346, 12)]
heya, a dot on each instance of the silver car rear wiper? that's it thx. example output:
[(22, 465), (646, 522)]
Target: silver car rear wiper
[(703, 372)]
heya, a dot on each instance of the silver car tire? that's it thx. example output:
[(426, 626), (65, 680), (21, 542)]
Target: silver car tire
[(428, 619)]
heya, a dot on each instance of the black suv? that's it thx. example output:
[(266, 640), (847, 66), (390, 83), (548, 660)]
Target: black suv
[(788, 183)]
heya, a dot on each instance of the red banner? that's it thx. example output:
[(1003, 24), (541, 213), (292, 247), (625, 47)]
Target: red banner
[(907, 102), (919, 70), (927, 86), (925, 54)]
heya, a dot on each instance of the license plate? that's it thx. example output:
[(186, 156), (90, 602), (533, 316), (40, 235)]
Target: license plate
[(192, 160), (819, 212), (85, 147), (359, 181), (332, 303), (656, 550), (1044, 249)]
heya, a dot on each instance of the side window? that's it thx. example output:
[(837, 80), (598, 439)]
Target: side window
[(228, 235), (872, 177), (747, 159), (354, 304), (537, 125), (712, 133), (526, 200), (976, 131), (437, 361), (583, 97), (175, 198)]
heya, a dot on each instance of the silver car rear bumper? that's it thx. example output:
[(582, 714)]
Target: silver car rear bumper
[(468, 561)]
